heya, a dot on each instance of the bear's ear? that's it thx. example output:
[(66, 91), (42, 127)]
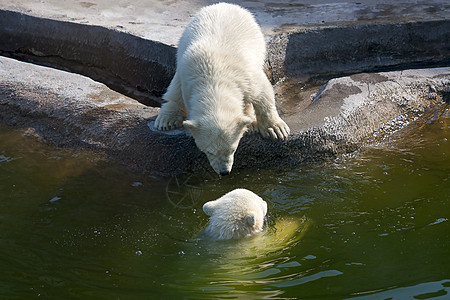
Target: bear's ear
[(264, 207), (191, 124), (251, 220), (209, 207)]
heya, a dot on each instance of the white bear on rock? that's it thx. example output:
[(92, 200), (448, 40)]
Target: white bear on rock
[(220, 89), (237, 214)]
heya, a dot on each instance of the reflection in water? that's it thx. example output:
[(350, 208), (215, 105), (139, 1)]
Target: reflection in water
[(370, 225)]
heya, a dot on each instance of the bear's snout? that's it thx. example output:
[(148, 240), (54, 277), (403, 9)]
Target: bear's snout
[(224, 172), (221, 165), (224, 168)]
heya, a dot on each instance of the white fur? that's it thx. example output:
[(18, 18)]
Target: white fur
[(220, 86), (236, 214)]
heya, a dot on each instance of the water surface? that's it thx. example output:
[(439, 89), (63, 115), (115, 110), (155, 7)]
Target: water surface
[(371, 225)]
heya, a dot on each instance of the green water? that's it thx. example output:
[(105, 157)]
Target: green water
[(373, 225)]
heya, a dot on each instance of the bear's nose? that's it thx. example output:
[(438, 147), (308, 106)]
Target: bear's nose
[(224, 172)]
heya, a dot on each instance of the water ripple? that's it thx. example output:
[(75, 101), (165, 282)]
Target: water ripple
[(306, 279), (4, 158), (436, 290)]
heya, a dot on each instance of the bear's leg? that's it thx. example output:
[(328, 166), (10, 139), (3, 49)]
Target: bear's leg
[(250, 112), (172, 112), (268, 122)]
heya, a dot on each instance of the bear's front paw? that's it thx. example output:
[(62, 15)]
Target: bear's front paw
[(277, 130), (168, 122)]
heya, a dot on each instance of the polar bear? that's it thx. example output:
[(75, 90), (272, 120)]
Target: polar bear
[(236, 214), (219, 89)]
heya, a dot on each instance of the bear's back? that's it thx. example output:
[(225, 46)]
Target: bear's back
[(226, 27)]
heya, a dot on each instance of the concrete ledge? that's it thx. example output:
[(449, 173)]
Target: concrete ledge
[(337, 51), (129, 64), (142, 68)]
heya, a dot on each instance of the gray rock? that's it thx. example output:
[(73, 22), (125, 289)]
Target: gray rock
[(70, 110)]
